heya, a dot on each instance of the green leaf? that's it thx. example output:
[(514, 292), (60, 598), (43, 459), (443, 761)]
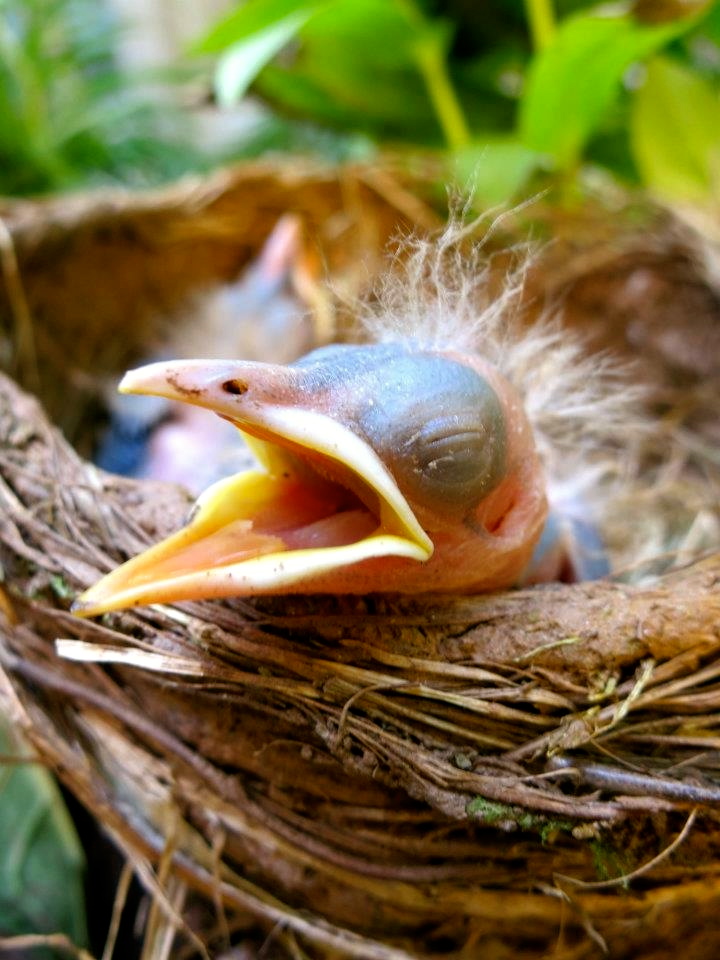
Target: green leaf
[(356, 68), (254, 17), (572, 83), (239, 65), (42, 864), (495, 170), (675, 133)]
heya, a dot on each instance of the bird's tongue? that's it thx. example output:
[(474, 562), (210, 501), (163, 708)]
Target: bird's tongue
[(294, 518)]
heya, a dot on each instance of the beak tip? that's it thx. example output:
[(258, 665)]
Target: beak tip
[(79, 608), (84, 607), (128, 384)]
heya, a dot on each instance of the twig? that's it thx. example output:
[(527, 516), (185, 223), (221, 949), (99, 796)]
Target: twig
[(24, 330), (625, 879), (121, 892), (54, 941)]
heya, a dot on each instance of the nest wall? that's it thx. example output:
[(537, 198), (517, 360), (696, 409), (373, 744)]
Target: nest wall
[(526, 774)]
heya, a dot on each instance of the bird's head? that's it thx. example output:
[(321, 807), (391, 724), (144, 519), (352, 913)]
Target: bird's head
[(387, 467)]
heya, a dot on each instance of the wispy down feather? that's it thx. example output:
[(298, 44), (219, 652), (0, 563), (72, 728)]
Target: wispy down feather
[(444, 292)]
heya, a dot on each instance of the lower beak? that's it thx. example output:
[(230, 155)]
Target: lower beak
[(320, 503)]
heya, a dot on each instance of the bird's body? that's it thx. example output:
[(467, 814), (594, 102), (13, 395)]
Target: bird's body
[(408, 465)]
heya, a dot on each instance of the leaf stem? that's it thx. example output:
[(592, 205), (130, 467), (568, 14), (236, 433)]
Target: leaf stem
[(541, 17), (433, 67), (431, 57)]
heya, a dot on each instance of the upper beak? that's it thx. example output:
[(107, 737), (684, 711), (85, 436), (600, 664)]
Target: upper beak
[(320, 501)]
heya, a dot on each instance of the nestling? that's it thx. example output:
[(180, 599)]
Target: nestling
[(421, 461)]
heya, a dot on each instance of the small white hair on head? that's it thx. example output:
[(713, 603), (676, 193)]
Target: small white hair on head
[(444, 292)]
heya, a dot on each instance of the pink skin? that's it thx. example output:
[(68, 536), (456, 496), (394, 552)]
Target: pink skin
[(486, 551)]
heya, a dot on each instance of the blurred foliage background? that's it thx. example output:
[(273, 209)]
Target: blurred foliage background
[(510, 96)]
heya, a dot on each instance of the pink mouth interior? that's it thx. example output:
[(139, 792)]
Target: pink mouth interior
[(302, 517)]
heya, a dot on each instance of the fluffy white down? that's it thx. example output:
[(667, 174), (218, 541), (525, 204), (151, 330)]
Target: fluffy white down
[(445, 292)]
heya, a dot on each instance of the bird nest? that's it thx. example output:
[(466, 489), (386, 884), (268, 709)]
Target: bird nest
[(524, 774)]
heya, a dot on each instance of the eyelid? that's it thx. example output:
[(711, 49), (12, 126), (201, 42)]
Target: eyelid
[(452, 461), (435, 421)]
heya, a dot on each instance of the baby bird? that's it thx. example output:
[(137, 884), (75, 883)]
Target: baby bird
[(274, 309), (422, 461)]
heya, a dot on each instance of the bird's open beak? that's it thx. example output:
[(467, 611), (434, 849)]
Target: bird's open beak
[(321, 500)]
